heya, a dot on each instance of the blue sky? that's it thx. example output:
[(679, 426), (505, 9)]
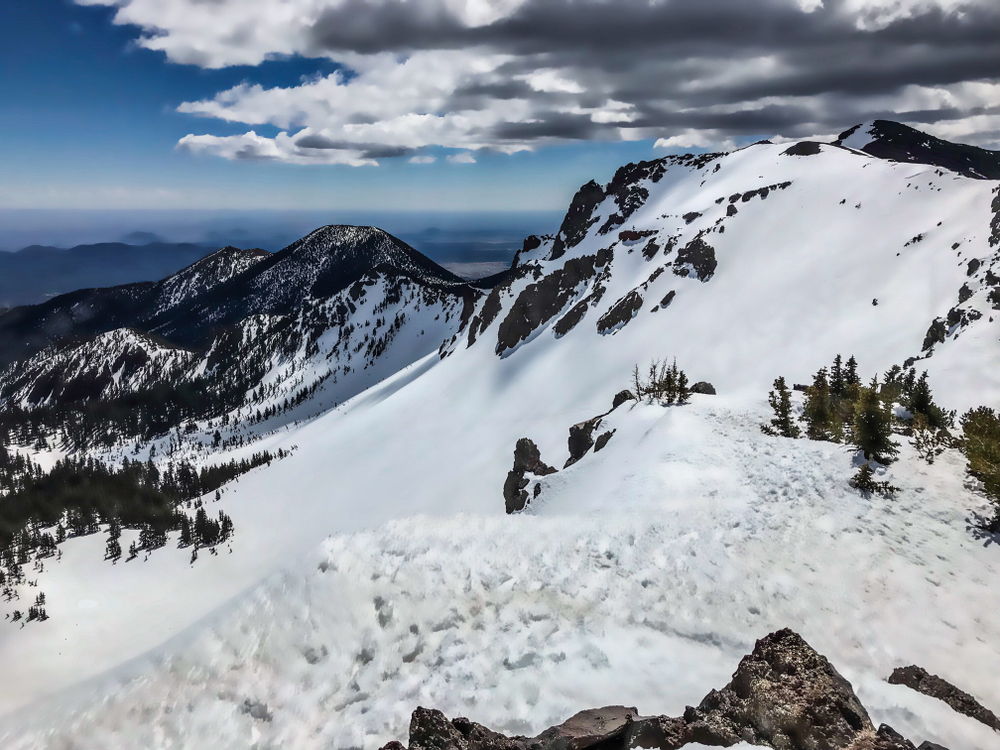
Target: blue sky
[(89, 120)]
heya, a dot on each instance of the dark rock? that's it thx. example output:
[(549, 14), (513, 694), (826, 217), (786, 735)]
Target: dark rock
[(621, 397), (731, 211), (935, 334), (700, 256), (594, 728), (689, 217), (579, 218), (431, 730), (922, 681), (995, 222), (256, 710), (668, 298), (581, 440), (897, 142), (652, 248), (394, 745), (886, 738), (927, 745), (540, 302), (603, 439), (621, 312), (527, 459), (704, 388), (784, 695), (568, 322), (481, 738), (656, 733), (604, 256), (632, 235), (974, 265), (802, 148), (515, 498)]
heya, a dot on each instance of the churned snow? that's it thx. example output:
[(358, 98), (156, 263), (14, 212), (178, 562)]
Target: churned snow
[(640, 576)]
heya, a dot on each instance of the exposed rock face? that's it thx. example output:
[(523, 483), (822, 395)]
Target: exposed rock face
[(935, 334), (578, 218), (699, 256), (704, 388), (540, 302), (802, 148), (527, 459), (785, 695), (922, 681), (621, 397), (620, 313), (898, 142), (581, 440)]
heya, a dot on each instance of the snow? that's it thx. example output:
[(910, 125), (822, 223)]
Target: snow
[(640, 577), (860, 138), (641, 574)]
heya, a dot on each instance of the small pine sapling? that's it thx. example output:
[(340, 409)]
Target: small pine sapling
[(872, 433), (783, 424)]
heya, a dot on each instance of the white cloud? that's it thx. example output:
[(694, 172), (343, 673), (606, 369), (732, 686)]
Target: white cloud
[(463, 158), (423, 160), (507, 75)]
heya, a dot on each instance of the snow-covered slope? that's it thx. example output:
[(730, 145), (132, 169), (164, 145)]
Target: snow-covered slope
[(642, 571)]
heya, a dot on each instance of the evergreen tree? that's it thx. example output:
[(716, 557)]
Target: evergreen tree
[(981, 443), (837, 383), (781, 402), (851, 372), (872, 432), (818, 412)]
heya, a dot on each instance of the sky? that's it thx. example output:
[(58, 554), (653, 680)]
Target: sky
[(452, 105)]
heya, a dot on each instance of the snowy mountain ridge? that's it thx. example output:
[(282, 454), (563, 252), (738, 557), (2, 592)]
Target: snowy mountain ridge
[(639, 573)]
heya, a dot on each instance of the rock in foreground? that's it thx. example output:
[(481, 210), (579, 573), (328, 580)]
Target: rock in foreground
[(783, 695)]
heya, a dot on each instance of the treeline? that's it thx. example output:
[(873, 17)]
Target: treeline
[(838, 407), (40, 510)]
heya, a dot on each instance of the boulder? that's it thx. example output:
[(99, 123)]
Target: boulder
[(656, 733), (596, 727), (919, 679), (527, 460), (784, 695), (581, 440), (704, 388), (621, 397)]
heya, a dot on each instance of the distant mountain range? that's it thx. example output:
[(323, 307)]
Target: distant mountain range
[(37, 272)]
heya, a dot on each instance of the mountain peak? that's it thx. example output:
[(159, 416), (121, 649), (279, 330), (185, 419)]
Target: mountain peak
[(894, 141)]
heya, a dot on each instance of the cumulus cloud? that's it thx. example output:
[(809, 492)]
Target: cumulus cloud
[(510, 75), (463, 158)]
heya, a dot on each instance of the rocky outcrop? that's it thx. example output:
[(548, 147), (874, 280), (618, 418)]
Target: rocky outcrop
[(620, 313), (696, 258), (527, 460), (581, 440), (621, 397), (579, 218), (919, 679), (802, 148), (783, 695), (703, 387), (541, 301)]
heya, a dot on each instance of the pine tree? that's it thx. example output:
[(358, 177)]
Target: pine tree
[(872, 432), (837, 383), (818, 412), (781, 402), (851, 372)]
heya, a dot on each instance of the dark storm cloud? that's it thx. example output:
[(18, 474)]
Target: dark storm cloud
[(680, 62), (367, 150)]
